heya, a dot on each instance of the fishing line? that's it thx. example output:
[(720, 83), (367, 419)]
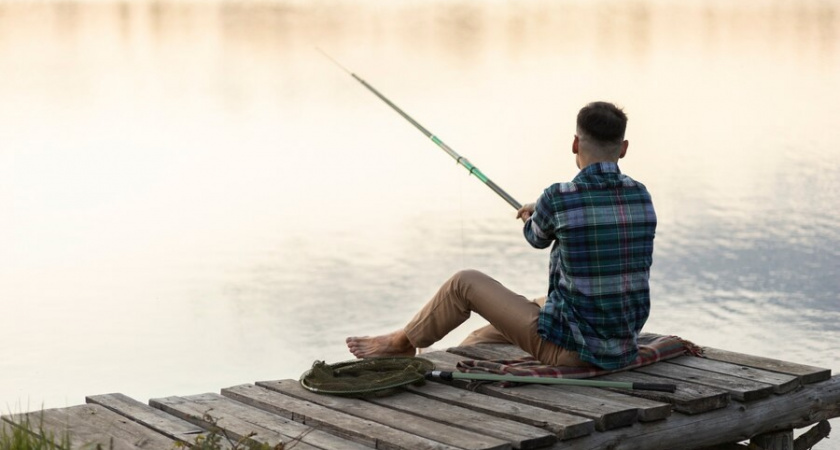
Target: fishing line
[(458, 158)]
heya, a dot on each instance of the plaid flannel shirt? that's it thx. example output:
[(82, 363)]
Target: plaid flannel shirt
[(602, 225)]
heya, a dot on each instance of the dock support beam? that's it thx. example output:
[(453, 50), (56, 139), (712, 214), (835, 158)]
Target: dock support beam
[(812, 436), (779, 440)]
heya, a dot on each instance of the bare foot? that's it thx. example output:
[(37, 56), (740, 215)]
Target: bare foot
[(392, 344)]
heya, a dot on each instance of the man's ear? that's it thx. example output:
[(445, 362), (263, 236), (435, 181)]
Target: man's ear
[(624, 146), (575, 145)]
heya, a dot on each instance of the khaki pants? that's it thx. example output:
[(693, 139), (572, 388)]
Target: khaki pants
[(513, 318)]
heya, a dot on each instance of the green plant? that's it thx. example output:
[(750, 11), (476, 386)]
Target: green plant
[(217, 436), (24, 435)]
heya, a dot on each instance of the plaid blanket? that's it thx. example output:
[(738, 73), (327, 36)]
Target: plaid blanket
[(652, 348)]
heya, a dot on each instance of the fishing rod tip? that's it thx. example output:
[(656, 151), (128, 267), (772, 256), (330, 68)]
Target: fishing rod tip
[(327, 55)]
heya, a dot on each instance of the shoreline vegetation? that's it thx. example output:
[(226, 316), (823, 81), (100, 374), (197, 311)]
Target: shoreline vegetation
[(24, 435), (18, 432)]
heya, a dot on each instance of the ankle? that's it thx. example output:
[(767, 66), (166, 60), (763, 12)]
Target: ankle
[(400, 340)]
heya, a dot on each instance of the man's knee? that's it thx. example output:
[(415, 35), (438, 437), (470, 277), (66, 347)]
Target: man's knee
[(468, 277)]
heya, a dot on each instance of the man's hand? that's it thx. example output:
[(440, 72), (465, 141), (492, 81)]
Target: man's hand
[(525, 212)]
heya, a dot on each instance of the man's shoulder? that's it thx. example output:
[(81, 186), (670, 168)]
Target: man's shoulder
[(627, 181), (563, 187)]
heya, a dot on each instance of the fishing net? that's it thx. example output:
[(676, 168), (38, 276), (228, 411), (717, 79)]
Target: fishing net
[(368, 377)]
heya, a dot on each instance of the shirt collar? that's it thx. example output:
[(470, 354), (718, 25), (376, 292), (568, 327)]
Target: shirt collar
[(600, 167)]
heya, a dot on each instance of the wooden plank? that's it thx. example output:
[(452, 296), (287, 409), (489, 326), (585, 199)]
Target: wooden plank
[(354, 428), (739, 388), (298, 432), (734, 423), (781, 382), (563, 426), (688, 398), (395, 419), (166, 424), (647, 410), (606, 413), (519, 435), (89, 425), (807, 374), (235, 429)]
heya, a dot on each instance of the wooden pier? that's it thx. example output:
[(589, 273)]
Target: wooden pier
[(721, 399)]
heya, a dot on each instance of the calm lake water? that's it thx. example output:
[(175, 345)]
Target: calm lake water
[(194, 197)]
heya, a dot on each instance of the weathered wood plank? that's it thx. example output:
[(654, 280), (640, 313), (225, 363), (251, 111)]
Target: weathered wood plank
[(89, 425), (166, 424), (737, 422), (807, 374), (647, 410), (519, 435), (449, 435), (573, 425), (688, 398), (563, 426), (739, 388), (235, 428), (782, 383), (606, 415), (354, 428), (298, 432)]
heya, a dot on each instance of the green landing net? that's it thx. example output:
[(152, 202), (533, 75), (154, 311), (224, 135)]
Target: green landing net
[(369, 377), (378, 377)]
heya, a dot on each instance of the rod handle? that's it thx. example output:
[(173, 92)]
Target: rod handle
[(655, 387), (439, 374)]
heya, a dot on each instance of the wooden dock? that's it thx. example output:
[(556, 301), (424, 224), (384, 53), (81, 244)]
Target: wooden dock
[(723, 398)]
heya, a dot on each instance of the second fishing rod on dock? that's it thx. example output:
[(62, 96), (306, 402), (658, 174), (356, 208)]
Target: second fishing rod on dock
[(458, 158)]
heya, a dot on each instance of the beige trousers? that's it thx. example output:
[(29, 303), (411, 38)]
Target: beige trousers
[(513, 318)]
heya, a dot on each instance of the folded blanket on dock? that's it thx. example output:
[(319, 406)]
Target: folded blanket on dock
[(652, 348)]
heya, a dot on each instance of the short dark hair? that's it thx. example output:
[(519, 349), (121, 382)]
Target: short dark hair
[(603, 122)]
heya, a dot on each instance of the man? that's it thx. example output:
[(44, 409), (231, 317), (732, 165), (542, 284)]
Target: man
[(601, 225)]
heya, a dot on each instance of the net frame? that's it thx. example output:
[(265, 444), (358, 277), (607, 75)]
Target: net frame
[(366, 377)]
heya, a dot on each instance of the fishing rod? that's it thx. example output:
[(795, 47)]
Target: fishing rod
[(458, 158), (449, 376)]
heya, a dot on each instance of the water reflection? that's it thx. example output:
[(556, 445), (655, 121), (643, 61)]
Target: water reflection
[(197, 183)]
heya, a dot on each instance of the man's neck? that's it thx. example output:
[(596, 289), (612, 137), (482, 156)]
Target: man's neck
[(586, 162)]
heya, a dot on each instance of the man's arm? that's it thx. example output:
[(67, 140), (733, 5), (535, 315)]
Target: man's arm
[(538, 228)]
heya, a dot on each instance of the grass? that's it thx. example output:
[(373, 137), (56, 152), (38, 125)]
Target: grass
[(217, 436), (25, 435)]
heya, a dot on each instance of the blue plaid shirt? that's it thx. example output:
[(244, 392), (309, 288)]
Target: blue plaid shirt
[(602, 225)]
